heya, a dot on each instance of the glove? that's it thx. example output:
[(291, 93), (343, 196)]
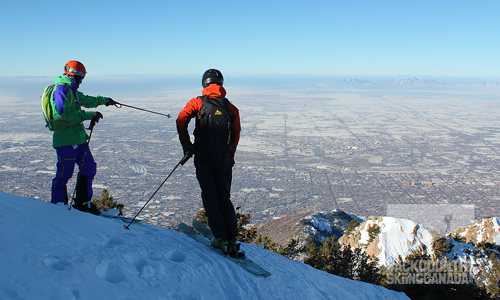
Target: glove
[(189, 149), (110, 102), (96, 116), (188, 152)]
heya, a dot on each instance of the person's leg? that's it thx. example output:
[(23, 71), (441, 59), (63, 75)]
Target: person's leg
[(88, 169), (66, 159), (223, 186), (206, 178), (84, 191)]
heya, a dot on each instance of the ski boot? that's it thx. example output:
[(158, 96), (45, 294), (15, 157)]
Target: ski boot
[(233, 249), (87, 207), (220, 244)]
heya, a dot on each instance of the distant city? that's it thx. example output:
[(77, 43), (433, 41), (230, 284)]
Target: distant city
[(300, 151)]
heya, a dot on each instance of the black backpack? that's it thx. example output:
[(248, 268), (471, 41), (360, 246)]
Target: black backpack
[(214, 130)]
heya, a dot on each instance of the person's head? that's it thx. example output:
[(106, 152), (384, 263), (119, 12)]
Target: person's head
[(75, 71), (212, 76)]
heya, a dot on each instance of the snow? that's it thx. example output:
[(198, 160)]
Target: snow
[(323, 224), (471, 257), (496, 228), (403, 237), (50, 252), (398, 237), (484, 230)]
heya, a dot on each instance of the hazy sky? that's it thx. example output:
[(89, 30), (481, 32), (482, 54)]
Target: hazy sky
[(433, 38)]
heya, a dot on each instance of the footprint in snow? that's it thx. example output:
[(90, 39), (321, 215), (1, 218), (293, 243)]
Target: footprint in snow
[(113, 241), (136, 260), (141, 265), (56, 263), (155, 257), (176, 256), (110, 272), (8, 292), (76, 294)]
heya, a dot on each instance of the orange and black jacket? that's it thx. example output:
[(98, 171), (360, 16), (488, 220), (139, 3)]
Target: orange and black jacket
[(192, 110)]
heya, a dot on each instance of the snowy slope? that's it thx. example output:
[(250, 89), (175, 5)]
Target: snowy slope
[(49, 252)]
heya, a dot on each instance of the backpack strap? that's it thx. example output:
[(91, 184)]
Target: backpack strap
[(59, 123), (203, 99)]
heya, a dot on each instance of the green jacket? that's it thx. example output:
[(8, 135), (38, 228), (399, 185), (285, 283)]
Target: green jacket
[(67, 102)]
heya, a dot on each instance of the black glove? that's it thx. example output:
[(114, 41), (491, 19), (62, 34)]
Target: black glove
[(110, 102), (188, 152), (96, 116), (189, 149)]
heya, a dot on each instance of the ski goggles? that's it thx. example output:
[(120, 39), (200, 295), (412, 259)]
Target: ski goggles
[(74, 72)]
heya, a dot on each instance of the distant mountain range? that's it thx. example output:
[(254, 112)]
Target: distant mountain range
[(411, 83)]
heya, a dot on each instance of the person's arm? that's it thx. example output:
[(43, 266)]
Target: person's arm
[(91, 101), (190, 111), (66, 110)]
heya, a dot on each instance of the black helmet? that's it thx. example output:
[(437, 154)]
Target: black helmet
[(212, 76)]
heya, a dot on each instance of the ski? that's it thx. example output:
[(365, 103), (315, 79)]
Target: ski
[(203, 230), (245, 263)]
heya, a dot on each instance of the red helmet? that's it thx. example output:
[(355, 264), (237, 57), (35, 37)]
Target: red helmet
[(75, 68)]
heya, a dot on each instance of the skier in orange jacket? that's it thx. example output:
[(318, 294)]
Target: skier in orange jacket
[(216, 137)]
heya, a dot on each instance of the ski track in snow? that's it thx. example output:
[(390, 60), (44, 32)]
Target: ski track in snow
[(50, 252)]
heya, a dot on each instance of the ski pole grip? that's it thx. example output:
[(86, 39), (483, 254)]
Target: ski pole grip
[(186, 157), (91, 125)]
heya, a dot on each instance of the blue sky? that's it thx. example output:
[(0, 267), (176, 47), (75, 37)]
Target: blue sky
[(344, 38)]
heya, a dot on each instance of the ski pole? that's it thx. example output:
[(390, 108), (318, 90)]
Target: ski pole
[(91, 127), (119, 105), (181, 162)]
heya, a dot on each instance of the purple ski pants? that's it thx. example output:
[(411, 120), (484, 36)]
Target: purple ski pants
[(67, 157)]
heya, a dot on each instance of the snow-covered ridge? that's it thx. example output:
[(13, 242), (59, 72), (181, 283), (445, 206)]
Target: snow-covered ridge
[(387, 238), (50, 252), (322, 225), (486, 230)]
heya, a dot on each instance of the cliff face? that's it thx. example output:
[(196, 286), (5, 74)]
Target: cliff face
[(281, 231), (317, 226)]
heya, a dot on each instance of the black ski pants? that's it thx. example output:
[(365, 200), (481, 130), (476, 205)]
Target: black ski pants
[(215, 184)]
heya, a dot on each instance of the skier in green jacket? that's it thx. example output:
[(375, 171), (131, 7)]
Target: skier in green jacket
[(70, 138)]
